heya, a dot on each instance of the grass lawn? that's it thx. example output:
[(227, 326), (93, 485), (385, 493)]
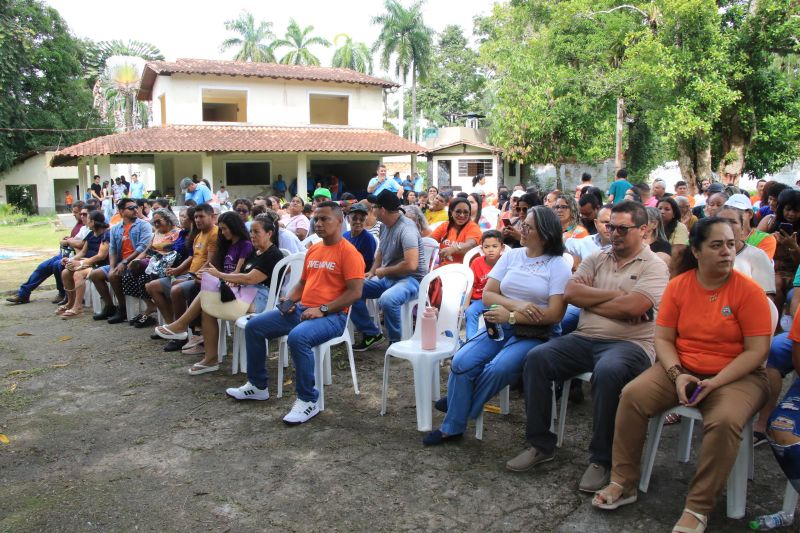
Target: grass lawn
[(31, 237), (16, 271)]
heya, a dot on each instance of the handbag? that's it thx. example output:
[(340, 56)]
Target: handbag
[(212, 303), (532, 331), (159, 264)]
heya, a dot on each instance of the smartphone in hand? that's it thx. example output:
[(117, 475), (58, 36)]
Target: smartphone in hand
[(284, 306), (786, 228), (692, 392)]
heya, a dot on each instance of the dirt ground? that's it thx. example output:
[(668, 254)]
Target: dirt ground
[(109, 433)]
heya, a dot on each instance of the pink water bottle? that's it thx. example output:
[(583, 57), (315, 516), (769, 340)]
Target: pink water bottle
[(429, 329)]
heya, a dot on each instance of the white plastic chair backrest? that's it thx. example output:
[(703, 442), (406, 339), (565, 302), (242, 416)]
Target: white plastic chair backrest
[(456, 289), (492, 215), (287, 265), (295, 270), (569, 260), (285, 252), (436, 225), (430, 251), (469, 256), (311, 239)]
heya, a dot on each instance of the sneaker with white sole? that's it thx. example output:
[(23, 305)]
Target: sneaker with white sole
[(301, 412), (248, 391)]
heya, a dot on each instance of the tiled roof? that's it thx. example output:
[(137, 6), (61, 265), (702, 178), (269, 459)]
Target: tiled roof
[(240, 139), (255, 70)]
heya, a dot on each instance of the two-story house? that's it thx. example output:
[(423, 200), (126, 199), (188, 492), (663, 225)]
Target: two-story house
[(243, 124)]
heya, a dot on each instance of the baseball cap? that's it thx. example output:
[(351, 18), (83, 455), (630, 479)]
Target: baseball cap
[(517, 194), (714, 188), (185, 182), (739, 201), (358, 208), (386, 199), (322, 192)]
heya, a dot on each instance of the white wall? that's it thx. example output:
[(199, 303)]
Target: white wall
[(465, 182), (37, 171), (269, 102)]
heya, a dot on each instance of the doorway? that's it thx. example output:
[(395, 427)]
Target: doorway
[(444, 174)]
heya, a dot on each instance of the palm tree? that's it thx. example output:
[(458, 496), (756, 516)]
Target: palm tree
[(352, 55), (251, 41), (405, 37), (299, 41)]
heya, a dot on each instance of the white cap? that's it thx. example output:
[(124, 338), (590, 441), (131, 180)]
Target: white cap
[(517, 194), (739, 201)]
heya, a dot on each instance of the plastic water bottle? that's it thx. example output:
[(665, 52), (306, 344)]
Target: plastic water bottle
[(428, 326), (772, 521)]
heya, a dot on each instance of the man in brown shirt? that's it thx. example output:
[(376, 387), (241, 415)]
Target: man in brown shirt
[(618, 291)]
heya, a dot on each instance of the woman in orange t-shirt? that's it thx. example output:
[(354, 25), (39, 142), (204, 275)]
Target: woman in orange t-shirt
[(712, 335), (459, 235)]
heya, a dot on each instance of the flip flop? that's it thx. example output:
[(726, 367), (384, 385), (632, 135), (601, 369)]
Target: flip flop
[(608, 505), (61, 309), (69, 313), (202, 369), (171, 335)]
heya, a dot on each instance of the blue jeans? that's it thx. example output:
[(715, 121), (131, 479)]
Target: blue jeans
[(780, 354), (472, 317), (304, 335), (480, 369), (391, 294), (570, 321), (786, 417), (47, 268)]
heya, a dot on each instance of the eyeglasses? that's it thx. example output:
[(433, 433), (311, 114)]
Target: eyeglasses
[(461, 212), (559, 207), (242, 210), (131, 207), (520, 208), (622, 230)]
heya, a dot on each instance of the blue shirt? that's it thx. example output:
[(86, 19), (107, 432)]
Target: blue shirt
[(201, 194), (418, 182), (280, 186), (366, 246), (137, 189), (388, 183), (618, 189), (408, 185)]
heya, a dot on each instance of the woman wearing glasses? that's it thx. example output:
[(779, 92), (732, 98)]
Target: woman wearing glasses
[(566, 209), (512, 229), (459, 234)]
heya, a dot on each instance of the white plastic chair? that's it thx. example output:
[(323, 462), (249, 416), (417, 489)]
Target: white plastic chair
[(742, 468), (322, 363), (569, 260), (311, 239), (456, 287), (562, 412), (294, 268), (470, 255), (430, 253), (435, 225)]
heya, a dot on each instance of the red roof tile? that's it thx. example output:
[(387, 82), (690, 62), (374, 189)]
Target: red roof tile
[(240, 139), (254, 70)]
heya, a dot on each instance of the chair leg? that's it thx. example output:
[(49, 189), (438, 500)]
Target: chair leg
[(789, 499), (385, 387), (222, 346), (685, 442), (280, 368), (436, 382), (235, 351), (352, 361), (319, 377), (422, 393), (562, 411), (479, 427), (650, 449), (505, 400), (737, 480), (326, 358)]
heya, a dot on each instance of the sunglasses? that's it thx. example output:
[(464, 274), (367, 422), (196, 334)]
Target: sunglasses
[(131, 207), (520, 208), (242, 210), (461, 212), (622, 230)]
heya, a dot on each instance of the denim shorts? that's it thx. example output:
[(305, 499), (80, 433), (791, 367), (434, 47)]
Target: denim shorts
[(187, 285)]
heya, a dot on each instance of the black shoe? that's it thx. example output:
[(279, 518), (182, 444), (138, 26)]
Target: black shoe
[(105, 313), (119, 317), (61, 299), (18, 300), (146, 321), (174, 346), (134, 320), (441, 404), (368, 342), (436, 437), (759, 439)]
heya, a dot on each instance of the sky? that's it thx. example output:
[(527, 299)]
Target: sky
[(195, 29)]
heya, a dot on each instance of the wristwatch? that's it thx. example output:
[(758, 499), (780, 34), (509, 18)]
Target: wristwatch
[(511, 318), (674, 371), (323, 309)]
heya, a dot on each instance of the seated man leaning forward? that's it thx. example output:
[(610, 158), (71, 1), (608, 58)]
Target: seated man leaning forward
[(395, 274), (618, 291), (315, 311)]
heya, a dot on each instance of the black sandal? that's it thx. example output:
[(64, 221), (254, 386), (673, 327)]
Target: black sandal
[(145, 321)]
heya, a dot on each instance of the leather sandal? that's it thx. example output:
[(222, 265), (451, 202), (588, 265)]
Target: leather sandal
[(603, 500), (702, 522)]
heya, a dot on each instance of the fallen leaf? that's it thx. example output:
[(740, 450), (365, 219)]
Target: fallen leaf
[(12, 388), (287, 382), (200, 493), (59, 365), (24, 334), (64, 338), (4, 439)]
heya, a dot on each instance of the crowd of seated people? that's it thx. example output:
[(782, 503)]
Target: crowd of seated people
[(649, 291)]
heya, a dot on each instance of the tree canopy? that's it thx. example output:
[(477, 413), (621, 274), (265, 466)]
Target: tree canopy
[(353, 55), (299, 41), (250, 43)]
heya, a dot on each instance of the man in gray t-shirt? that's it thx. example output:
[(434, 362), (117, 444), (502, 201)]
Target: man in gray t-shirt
[(395, 274)]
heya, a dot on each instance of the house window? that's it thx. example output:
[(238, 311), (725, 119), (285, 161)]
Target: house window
[(473, 167), (222, 105), (247, 173), (512, 169), (328, 109)]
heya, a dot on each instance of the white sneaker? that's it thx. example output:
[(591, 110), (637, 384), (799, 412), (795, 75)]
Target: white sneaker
[(248, 391), (301, 412)]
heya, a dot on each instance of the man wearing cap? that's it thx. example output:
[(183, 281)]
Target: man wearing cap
[(381, 183), (395, 275), (759, 239), (711, 190), (320, 195), (362, 240), (195, 191)]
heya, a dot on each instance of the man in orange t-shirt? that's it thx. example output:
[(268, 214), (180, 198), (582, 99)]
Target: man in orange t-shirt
[(313, 312)]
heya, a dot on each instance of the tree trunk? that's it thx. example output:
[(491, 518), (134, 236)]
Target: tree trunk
[(733, 144), (414, 102), (401, 111), (619, 154), (130, 101), (702, 163), (686, 161)]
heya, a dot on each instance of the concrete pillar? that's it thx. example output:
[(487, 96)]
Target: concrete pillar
[(83, 181), (104, 167), (302, 170), (432, 176), (500, 175), (207, 169)]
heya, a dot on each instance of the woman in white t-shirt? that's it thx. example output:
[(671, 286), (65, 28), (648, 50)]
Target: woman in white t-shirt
[(298, 223), (525, 289)]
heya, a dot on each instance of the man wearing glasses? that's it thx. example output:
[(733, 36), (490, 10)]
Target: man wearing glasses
[(129, 240), (54, 265), (618, 291)]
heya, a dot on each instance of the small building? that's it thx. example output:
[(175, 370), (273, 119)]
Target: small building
[(242, 124)]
